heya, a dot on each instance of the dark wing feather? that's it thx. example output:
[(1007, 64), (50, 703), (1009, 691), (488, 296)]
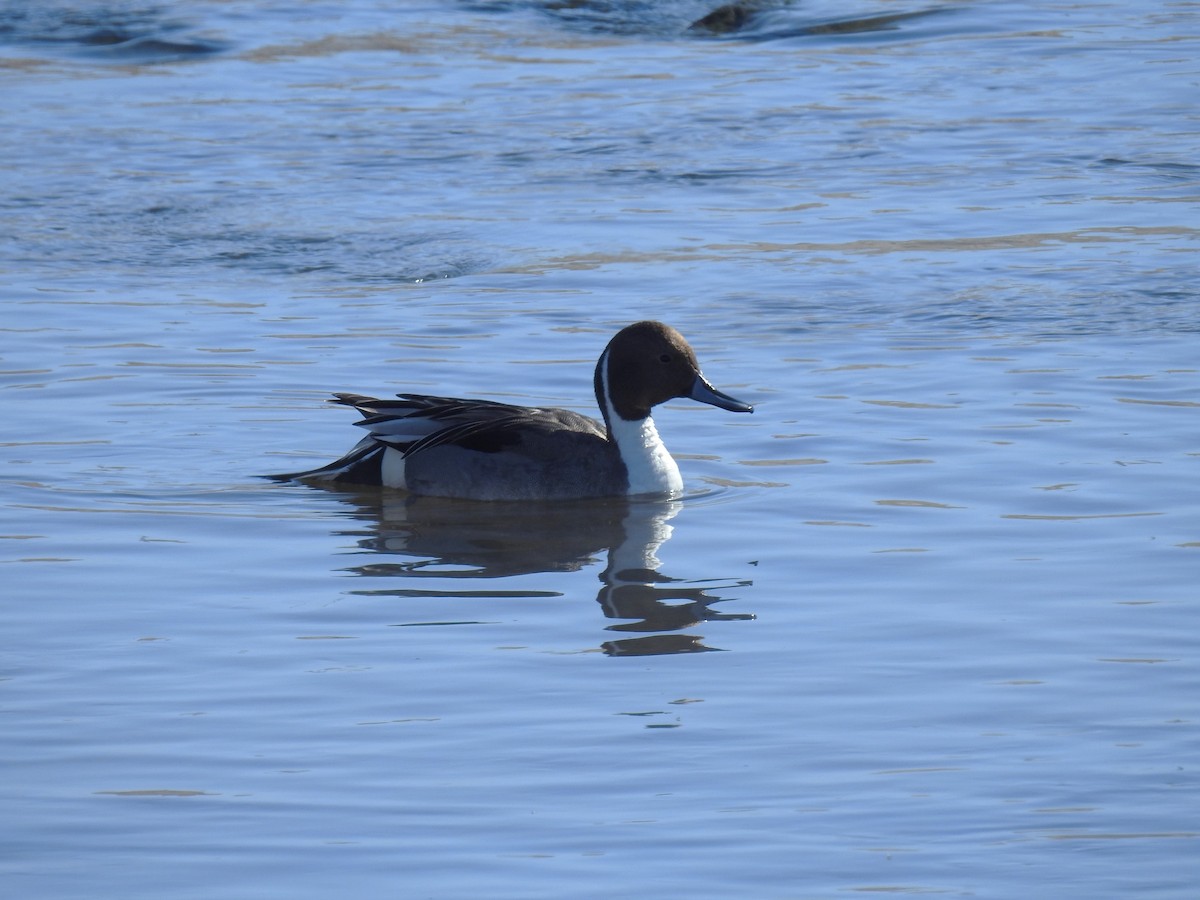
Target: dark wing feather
[(481, 425), (488, 436)]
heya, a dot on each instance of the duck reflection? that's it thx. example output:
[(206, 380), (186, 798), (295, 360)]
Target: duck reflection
[(430, 537), (634, 589)]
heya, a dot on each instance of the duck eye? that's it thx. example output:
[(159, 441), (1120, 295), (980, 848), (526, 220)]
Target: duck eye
[(666, 357)]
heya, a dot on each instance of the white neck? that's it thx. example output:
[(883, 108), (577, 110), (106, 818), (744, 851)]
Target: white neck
[(651, 468)]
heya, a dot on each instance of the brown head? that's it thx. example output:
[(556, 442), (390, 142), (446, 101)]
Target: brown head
[(648, 363)]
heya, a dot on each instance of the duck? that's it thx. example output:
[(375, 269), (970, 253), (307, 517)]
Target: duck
[(485, 450)]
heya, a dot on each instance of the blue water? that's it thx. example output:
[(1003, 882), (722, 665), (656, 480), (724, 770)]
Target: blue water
[(924, 623)]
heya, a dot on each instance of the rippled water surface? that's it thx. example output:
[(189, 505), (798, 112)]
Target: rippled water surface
[(925, 623)]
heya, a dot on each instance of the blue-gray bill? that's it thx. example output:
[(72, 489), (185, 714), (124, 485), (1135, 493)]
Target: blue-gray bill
[(706, 393)]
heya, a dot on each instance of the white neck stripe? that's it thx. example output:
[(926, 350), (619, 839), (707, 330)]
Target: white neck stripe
[(649, 465)]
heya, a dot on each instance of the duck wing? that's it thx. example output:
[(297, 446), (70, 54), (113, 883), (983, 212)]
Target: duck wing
[(415, 423)]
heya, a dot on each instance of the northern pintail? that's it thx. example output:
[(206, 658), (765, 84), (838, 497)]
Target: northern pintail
[(483, 450)]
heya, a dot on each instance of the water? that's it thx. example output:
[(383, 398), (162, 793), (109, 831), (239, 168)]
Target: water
[(925, 623)]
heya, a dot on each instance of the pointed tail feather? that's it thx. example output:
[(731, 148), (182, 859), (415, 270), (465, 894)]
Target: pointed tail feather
[(362, 465)]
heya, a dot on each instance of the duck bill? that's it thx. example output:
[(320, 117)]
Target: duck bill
[(706, 393)]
